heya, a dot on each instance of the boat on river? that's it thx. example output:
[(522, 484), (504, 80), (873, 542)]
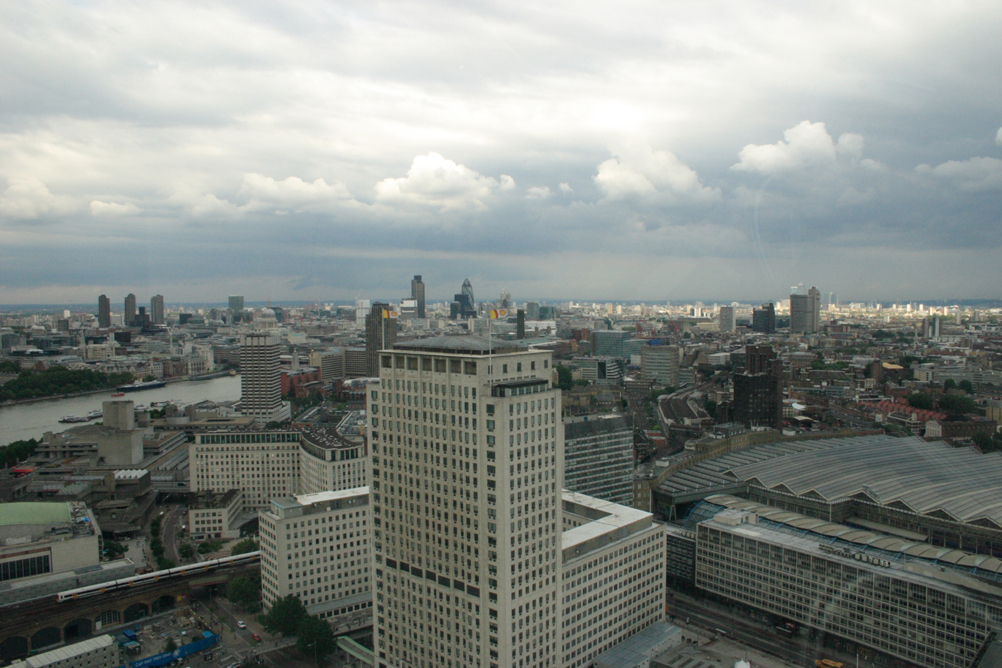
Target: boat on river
[(72, 418)]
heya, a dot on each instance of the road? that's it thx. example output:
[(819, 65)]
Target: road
[(172, 521), (754, 633)]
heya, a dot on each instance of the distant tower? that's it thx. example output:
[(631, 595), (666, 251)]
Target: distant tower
[(157, 310), (380, 334), (764, 319), (520, 324), (103, 312), (236, 303), (805, 312), (726, 319), (467, 304), (417, 294), (261, 378), (130, 309)]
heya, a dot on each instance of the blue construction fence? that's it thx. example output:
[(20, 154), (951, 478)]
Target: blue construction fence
[(208, 640)]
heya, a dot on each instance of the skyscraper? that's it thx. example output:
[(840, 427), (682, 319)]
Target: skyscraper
[(261, 378), (764, 319), (467, 501), (236, 303), (157, 313), (380, 334), (465, 306), (805, 312), (472, 536), (103, 312), (417, 294), (130, 309), (726, 319)]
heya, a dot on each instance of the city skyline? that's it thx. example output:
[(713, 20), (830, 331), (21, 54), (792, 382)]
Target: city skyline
[(650, 153)]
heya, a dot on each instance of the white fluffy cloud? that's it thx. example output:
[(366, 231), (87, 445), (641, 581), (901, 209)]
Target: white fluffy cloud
[(436, 182), (998, 137), (647, 173), (538, 192), (30, 199), (972, 175), (264, 192), (807, 145), (566, 188), (110, 209)]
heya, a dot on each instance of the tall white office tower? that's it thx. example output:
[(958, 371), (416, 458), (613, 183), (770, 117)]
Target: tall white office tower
[(467, 471), (261, 379)]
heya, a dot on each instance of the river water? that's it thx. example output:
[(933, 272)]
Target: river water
[(26, 421)]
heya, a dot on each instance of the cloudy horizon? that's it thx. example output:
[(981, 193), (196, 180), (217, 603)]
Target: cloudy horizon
[(644, 151)]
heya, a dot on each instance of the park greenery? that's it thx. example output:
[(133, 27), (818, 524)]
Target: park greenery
[(288, 617), (57, 380), (245, 592), (245, 546), (565, 379), (17, 452), (210, 546), (952, 403)]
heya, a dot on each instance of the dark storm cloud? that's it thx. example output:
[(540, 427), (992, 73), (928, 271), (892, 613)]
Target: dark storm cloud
[(651, 151)]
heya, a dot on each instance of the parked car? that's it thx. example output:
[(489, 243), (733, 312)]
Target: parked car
[(241, 625), (255, 636)]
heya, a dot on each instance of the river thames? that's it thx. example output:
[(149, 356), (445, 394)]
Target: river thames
[(25, 421)]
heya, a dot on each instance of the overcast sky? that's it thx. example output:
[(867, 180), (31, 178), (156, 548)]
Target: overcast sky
[(631, 150)]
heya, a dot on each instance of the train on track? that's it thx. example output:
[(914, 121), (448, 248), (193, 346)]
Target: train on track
[(157, 576)]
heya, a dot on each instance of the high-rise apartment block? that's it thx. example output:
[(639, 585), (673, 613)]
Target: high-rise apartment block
[(380, 333), (417, 294), (130, 309), (805, 312), (598, 456), (764, 319), (236, 303), (103, 312), (471, 531), (726, 319), (659, 364), (317, 547), (157, 313), (261, 378)]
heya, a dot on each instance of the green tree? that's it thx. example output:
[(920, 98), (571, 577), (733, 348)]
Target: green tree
[(983, 441), (565, 379), (285, 616), (957, 403), (920, 400), (315, 637), (246, 592), (966, 386), (10, 366), (17, 452), (186, 551), (949, 384), (245, 546), (170, 646)]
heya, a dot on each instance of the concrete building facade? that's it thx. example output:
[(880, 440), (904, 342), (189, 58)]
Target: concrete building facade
[(598, 456), (317, 547), (261, 378)]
